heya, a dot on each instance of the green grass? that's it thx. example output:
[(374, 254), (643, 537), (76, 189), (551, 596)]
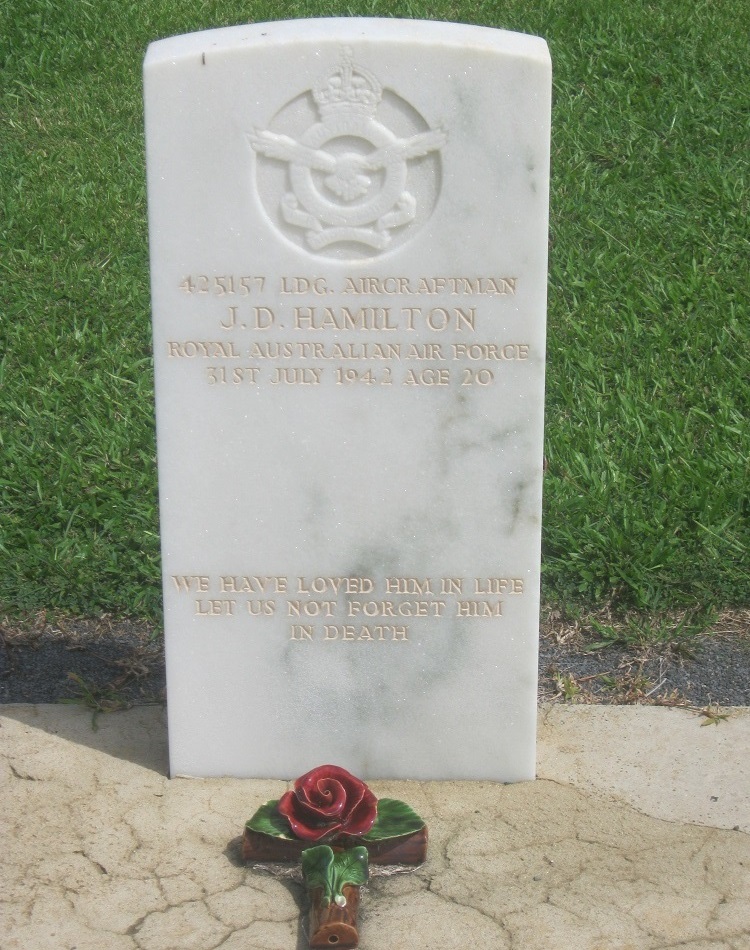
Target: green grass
[(646, 500)]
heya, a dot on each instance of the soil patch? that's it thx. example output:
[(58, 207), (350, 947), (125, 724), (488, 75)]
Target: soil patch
[(101, 662), (678, 668)]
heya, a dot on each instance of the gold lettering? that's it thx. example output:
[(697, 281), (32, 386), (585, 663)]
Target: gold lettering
[(390, 608), (347, 585), (425, 351), (466, 286), (264, 318), (301, 632), (498, 585), (303, 318), (396, 285), (311, 608), (376, 634), (479, 608), (303, 285), (375, 285), (490, 351), (427, 377), (342, 318), (207, 349), (438, 319), (407, 585), (252, 584), (214, 608), (232, 322), (451, 585), (187, 582), (296, 376), (465, 318), (410, 313)]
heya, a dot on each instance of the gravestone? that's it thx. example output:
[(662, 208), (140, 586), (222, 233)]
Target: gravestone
[(348, 232)]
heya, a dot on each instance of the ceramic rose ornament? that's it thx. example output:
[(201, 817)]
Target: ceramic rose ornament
[(334, 825), (328, 801)]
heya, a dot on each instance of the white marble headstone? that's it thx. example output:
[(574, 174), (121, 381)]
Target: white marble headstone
[(348, 228)]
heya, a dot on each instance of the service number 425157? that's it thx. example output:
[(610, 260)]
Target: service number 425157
[(222, 285)]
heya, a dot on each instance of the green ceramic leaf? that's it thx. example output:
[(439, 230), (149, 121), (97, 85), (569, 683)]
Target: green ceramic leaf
[(350, 867), (322, 868), (394, 820), (317, 869), (268, 821)]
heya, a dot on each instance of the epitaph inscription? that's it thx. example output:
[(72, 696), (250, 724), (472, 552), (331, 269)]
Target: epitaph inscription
[(348, 254)]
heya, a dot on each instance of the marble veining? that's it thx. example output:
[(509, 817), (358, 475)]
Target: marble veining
[(348, 236)]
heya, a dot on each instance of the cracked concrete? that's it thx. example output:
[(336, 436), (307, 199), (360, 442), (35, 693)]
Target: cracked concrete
[(626, 842)]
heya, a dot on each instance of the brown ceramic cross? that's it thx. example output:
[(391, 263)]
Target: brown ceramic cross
[(334, 826)]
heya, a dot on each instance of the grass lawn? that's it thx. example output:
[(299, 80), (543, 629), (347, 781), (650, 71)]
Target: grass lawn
[(646, 492)]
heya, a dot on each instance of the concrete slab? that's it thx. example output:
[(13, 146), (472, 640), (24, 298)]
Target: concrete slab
[(670, 763), (619, 845)]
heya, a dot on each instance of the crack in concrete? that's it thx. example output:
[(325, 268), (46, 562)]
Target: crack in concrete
[(134, 928), (25, 777), (448, 899)]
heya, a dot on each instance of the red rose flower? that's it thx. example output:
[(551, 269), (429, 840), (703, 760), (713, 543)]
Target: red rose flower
[(328, 801)]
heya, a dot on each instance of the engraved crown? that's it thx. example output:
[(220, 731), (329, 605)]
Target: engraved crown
[(348, 88)]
